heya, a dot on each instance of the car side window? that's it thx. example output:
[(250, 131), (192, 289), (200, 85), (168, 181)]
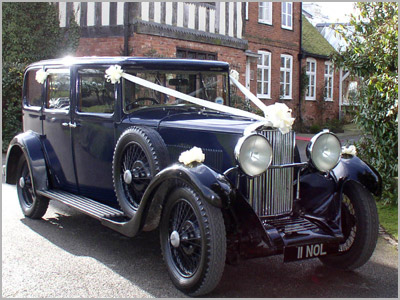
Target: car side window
[(96, 95), (58, 89), (33, 96)]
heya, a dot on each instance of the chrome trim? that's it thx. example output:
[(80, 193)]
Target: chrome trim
[(271, 194)]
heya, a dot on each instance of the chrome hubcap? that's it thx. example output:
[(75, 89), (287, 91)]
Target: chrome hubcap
[(22, 182), (128, 177), (175, 239)]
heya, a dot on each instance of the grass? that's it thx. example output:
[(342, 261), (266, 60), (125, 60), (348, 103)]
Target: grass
[(388, 218)]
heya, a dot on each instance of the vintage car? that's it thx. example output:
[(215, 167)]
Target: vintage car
[(131, 150)]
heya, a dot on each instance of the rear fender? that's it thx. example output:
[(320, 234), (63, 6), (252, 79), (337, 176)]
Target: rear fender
[(29, 145)]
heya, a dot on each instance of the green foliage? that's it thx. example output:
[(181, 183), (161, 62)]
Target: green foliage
[(372, 54), (31, 33), (388, 218)]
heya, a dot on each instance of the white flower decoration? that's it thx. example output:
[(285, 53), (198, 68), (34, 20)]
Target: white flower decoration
[(235, 74), (280, 115), (192, 155), (350, 150), (41, 76), (114, 74)]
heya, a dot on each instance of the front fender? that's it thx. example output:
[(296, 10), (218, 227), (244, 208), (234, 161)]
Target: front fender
[(29, 145), (210, 185), (357, 170)]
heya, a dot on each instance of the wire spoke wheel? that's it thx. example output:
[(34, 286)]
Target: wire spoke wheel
[(184, 225), (32, 205), (140, 153), (193, 241), (359, 222), (135, 173), (349, 224)]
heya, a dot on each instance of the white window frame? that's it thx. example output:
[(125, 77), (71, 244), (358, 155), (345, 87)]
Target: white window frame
[(247, 10), (312, 84), (286, 70), (263, 67), (266, 8), (328, 76), (286, 16)]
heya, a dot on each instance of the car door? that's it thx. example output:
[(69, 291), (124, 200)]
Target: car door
[(93, 136), (57, 128)]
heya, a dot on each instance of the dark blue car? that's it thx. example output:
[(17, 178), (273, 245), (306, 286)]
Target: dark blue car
[(116, 150)]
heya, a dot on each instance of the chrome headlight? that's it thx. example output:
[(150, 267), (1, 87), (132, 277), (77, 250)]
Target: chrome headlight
[(254, 154), (324, 151)]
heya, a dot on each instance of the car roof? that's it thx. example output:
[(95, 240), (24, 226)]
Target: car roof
[(139, 62)]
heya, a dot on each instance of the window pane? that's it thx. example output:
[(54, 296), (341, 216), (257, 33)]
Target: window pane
[(258, 87), (58, 89), (266, 60), (289, 10), (201, 56), (313, 67), (287, 91), (96, 95), (266, 75), (282, 62), (33, 89), (283, 7), (288, 63), (282, 76), (265, 88), (259, 74)]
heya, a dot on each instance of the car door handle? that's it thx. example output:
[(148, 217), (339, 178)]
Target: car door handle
[(71, 125)]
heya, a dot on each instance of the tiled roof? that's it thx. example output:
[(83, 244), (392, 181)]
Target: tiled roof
[(313, 42)]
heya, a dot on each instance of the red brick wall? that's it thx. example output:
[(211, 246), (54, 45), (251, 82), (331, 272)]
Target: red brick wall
[(107, 46), (277, 41), (320, 111)]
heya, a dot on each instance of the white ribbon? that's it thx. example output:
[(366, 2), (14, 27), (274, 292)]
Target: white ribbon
[(277, 115)]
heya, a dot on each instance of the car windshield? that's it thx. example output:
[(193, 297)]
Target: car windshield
[(210, 86)]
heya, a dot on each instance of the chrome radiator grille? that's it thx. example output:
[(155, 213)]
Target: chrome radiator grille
[(271, 194)]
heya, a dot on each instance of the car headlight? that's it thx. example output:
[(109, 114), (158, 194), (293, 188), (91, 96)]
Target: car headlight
[(324, 151), (254, 154)]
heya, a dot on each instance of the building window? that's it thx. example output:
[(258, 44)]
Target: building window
[(265, 13), (328, 76), (286, 76), (311, 72), (287, 13), (264, 75), (194, 54)]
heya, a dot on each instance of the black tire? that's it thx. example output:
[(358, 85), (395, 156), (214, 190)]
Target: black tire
[(196, 262), (360, 227), (140, 152), (32, 205)]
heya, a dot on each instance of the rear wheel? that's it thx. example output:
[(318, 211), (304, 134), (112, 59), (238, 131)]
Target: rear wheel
[(32, 205), (193, 242), (360, 229)]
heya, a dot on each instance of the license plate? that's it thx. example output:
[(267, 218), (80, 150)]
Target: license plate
[(308, 251)]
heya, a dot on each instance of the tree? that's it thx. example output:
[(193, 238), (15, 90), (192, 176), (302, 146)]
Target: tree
[(31, 32), (372, 55)]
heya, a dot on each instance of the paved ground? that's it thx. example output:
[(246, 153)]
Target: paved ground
[(68, 254)]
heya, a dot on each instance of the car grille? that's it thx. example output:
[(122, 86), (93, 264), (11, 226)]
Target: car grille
[(271, 194)]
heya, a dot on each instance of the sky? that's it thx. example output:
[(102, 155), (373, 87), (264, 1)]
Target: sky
[(337, 11)]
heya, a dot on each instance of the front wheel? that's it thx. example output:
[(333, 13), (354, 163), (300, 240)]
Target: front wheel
[(193, 242), (32, 205), (360, 227)]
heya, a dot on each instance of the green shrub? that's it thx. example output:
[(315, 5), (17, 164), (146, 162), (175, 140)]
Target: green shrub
[(31, 32), (372, 55)]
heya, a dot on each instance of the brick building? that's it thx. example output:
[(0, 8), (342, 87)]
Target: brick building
[(261, 40)]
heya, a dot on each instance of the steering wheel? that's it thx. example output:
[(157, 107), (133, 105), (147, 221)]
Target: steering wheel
[(134, 104)]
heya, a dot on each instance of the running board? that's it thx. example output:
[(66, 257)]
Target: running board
[(85, 205)]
